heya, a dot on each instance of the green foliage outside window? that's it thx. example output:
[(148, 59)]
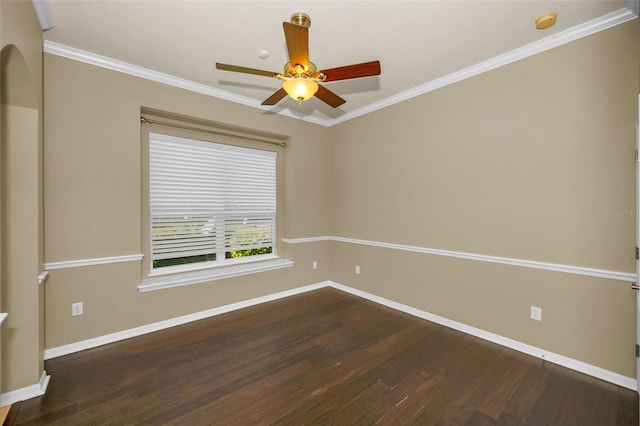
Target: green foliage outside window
[(248, 252), (240, 235)]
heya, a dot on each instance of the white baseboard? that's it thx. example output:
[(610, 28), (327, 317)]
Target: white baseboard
[(591, 370), (161, 325), (27, 392)]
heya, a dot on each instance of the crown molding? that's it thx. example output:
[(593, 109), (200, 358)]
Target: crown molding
[(599, 24), (591, 27), (91, 58), (43, 12)]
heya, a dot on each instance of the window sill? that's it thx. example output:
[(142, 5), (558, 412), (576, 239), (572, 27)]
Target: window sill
[(188, 278)]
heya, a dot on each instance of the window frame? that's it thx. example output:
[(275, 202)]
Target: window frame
[(162, 277)]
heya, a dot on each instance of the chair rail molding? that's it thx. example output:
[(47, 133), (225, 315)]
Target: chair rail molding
[(556, 267)]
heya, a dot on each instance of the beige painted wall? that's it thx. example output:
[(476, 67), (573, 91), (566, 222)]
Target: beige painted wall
[(533, 161), (21, 195), (20, 27), (21, 294), (93, 200)]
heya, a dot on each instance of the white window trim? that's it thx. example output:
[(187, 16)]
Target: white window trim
[(181, 275), (212, 274), (198, 266)]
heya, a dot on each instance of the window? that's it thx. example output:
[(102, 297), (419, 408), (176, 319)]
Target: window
[(212, 197), (210, 204)]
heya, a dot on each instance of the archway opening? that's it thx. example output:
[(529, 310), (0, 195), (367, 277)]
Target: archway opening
[(21, 335)]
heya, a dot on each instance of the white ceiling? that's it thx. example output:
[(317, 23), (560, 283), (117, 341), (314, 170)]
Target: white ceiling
[(421, 45)]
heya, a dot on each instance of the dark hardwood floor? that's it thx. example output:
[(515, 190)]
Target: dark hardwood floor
[(324, 358)]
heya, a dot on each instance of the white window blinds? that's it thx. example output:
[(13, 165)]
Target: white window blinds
[(209, 201)]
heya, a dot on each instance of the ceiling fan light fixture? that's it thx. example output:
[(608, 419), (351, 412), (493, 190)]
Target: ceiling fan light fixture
[(300, 89), (300, 75)]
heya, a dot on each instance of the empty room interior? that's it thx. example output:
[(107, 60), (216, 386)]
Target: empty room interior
[(319, 212)]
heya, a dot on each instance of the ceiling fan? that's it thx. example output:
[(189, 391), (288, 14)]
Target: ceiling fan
[(301, 76)]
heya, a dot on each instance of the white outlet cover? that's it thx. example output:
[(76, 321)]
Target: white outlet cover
[(536, 313), (77, 309), (357, 269)]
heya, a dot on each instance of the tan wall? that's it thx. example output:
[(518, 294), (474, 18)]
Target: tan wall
[(20, 27), (21, 195), (526, 161), (93, 200), (533, 161), (21, 334)]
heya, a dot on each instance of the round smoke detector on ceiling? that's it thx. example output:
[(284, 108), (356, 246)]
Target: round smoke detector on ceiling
[(546, 20)]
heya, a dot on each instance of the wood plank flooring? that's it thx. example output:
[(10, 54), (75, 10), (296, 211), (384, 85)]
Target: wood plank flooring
[(320, 358)]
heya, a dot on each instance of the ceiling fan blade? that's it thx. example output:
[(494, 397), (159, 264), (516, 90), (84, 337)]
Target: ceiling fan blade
[(328, 97), (235, 68), (275, 98), (365, 69), (297, 38)]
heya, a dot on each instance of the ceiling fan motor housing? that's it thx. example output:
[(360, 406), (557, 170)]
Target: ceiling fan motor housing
[(301, 19), (299, 71)]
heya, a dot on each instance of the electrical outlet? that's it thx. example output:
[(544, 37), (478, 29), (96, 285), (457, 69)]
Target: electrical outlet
[(77, 309), (315, 264), (357, 269), (536, 313)]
